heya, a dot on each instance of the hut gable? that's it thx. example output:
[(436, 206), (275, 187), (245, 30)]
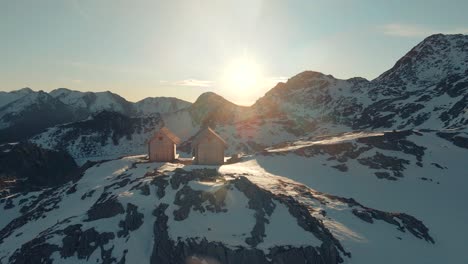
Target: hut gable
[(208, 147), (162, 146), (207, 133), (165, 132)]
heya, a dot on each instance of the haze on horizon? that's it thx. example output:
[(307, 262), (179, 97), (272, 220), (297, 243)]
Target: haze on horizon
[(179, 48)]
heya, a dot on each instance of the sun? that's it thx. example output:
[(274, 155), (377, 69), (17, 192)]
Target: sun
[(242, 75)]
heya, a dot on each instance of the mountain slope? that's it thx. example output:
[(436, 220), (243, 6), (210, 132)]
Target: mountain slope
[(31, 114), (422, 173), (427, 88), (105, 134), (133, 211)]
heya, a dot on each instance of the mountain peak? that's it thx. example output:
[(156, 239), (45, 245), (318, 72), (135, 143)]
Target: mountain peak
[(436, 57), (59, 91), (25, 90), (210, 98), (310, 75)]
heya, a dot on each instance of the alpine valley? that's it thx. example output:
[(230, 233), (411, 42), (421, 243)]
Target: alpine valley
[(330, 171)]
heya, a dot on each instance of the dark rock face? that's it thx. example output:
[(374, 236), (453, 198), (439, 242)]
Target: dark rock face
[(133, 220), (384, 175), (341, 167), (459, 139), (34, 250), (34, 168), (413, 225), (410, 223), (75, 242), (396, 141), (260, 201), (381, 161), (84, 243), (105, 207)]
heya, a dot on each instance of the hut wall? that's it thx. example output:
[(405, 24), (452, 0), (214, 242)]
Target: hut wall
[(161, 150), (210, 152)]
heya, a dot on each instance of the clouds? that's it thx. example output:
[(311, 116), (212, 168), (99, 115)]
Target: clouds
[(191, 83), (416, 30)]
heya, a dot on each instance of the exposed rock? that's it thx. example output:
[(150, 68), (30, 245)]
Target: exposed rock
[(105, 207), (76, 242), (381, 161), (456, 138), (384, 175), (133, 220), (341, 167), (261, 202)]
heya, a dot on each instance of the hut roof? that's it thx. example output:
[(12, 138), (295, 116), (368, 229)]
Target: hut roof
[(165, 131), (205, 133)]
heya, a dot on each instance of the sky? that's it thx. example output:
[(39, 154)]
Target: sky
[(182, 48)]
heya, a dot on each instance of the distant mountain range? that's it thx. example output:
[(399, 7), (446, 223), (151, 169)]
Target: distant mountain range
[(426, 89), (25, 112)]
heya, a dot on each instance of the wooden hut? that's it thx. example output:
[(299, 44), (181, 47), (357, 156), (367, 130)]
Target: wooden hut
[(208, 148), (162, 146)]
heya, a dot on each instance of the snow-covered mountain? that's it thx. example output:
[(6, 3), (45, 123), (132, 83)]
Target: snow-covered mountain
[(427, 88), (104, 135), (8, 97), (355, 197), (86, 103), (93, 102), (154, 105), (128, 210), (312, 103), (25, 112), (31, 113), (337, 171)]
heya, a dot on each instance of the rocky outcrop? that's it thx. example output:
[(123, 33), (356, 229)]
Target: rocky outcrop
[(459, 139), (133, 220), (76, 242), (105, 207)]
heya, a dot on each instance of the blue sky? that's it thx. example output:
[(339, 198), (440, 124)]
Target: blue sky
[(183, 48)]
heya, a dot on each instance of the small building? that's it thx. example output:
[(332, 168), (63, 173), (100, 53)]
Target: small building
[(208, 148), (162, 146)]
